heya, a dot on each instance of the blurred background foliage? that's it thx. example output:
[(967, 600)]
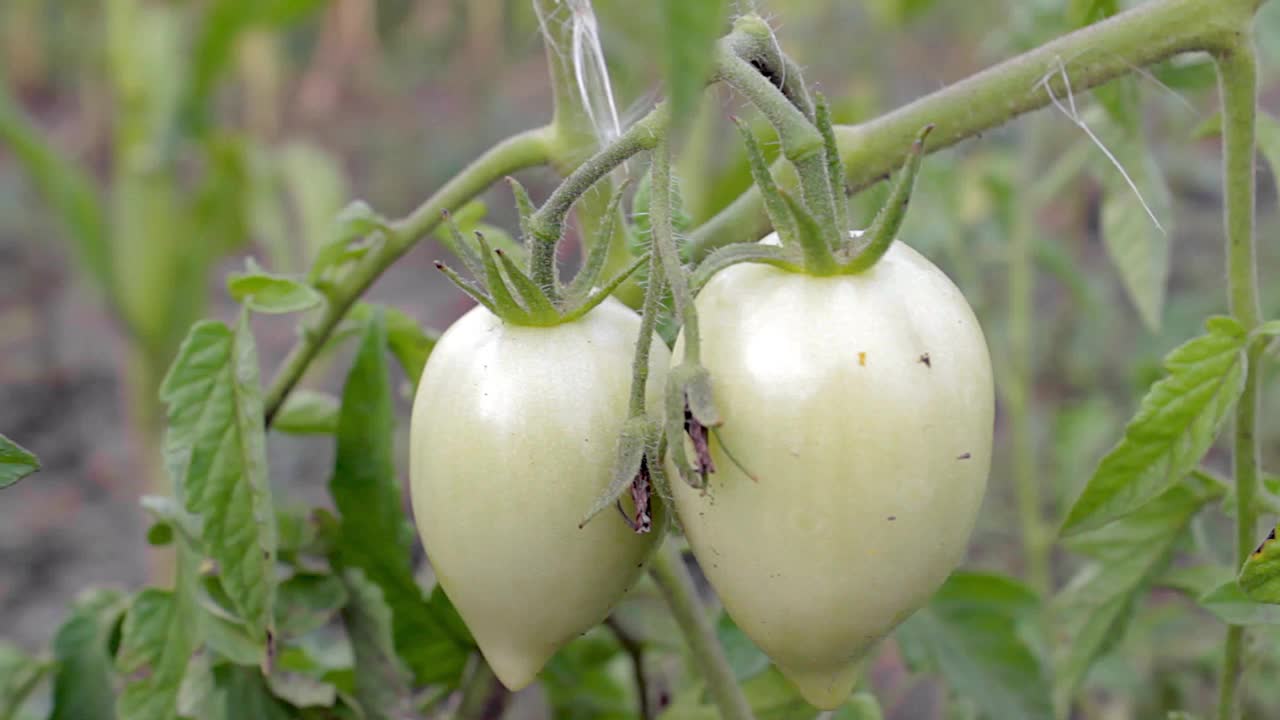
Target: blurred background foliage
[(146, 147)]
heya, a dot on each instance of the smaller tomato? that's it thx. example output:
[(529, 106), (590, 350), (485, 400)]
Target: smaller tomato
[(514, 437)]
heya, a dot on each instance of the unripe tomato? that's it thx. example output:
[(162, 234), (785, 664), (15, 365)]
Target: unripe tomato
[(514, 435), (858, 415)]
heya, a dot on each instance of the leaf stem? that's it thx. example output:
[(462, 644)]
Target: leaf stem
[(1238, 82), (664, 246), (669, 571), (1091, 56), (525, 149)]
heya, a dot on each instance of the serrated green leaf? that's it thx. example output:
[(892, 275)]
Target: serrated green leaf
[(16, 462), (1178, 421), (266, 292), (367, 494), (690, 30), (83, 675), (19, 675), (231, 692), (353, 222), (216, 449), (1229, 603), (381, 679), (1093, 611), (232, 640), (65, 187), (1260, 576), (307, 412), (301, 690), (973, 631)]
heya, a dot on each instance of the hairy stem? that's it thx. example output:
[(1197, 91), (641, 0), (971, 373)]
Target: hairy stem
[(664, 246), (517, 152), (1237, 74), (1090, 57), (673, 578)]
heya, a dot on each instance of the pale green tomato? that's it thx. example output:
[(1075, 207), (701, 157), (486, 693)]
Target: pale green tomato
[(862, 408), (514, 433)]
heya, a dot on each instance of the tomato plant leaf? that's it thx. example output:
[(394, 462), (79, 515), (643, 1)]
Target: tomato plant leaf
[(381, 679), (222, 691), (1260, 576), (1229, 603), (580, 683), (216, 450), (83, 673), (16, 462), (1178, 421), (974, 631), (862, 706), (746, 659), (1093, 611), (307, 412), (266, 292), (409, 343), (691, 30), (19, 675), (374, 532), (66, 188), (301, 690), (307, 602), (159, 635)]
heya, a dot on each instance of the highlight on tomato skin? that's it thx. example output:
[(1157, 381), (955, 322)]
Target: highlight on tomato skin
[(852, 460), (513, 436)]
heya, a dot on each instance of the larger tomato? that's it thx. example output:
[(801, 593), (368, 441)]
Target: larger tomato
[(858, 414), (514, 435)]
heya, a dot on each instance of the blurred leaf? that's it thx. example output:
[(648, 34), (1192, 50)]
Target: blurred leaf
[(1229, 603), (690, 31), (583, 683), (382, 681), (265, 292), (16, 462), (1137, 247), (302, 690), (1178, 421), (158, 638), (770, 695), (307, 602), (1087, 12), (231, 692), (307, 412), (409, 343), (1268, 139), (1092, 612), (19, 675), (744, 657), (1194, 580), (1260, 577), (216, 448), (315, 182), (897, 13), (353, 222), (233, 640), (862, 706), (973, 631), (366, 493), (67, 188), (169, 513), (83, 676)]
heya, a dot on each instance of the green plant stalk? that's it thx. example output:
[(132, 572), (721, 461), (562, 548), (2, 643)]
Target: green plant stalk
[(668, 570), (547, 224), (664, 246), (753, 40), (1021, 302), (1238, 81), (801, 141), (523, 150), (648, 321), (1091, 56), (483, 697)]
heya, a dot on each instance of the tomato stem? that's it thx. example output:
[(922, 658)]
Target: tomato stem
[(1238, 82)]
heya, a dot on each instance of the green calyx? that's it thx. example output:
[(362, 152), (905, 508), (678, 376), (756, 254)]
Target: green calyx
[(500, 284), (807, 246)]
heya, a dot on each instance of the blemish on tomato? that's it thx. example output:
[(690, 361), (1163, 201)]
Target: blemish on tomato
[(964, 456), (862, 359), (892, 518), (925, 359)]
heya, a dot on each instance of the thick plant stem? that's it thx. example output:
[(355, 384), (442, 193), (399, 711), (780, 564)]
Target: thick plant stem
[(517, 152), (1091, 56), (673, 578), (664, 245), (1237, 75)]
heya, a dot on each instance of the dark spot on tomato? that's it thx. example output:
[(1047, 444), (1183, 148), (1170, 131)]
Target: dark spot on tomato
[(964, 456), (892, 518), (862, 359), (925, 359)]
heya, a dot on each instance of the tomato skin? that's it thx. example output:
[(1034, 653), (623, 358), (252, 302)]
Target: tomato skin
[(862, 406), (514, 435)]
